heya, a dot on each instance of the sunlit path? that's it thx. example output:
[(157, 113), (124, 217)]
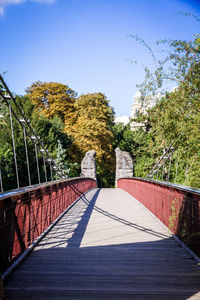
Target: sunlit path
[(106, 247)]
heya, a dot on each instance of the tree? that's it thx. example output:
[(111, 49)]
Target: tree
[(69, 169), (6, 149), (176, 59), (51, 99), (49, 130), (175, 119), (89, 125)]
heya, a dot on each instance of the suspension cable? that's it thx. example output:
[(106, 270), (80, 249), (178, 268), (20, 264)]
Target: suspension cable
[(26, 150), (31, 129), (161, 159), (14, 150), (45, 170), (37, 163)]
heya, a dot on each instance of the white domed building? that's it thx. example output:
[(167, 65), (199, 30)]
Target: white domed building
[(138, 105)]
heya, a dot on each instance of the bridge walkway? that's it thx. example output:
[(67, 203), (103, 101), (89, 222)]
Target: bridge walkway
[(107, 246)]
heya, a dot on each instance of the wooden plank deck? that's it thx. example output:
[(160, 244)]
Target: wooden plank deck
[(106, 247)]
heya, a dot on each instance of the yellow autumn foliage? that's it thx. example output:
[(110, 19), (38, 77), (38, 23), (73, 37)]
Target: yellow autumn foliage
[(87, 120), (51, 99), (89, 127)]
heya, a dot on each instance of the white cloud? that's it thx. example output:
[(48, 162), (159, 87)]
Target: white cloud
[(4, 3)]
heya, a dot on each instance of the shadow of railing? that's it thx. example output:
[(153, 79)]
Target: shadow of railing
[(82, 224)]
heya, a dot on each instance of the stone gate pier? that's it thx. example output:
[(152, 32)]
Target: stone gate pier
[(124, 164), (88, 165)]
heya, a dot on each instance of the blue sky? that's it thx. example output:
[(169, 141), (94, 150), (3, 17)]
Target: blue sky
[(86, 43)]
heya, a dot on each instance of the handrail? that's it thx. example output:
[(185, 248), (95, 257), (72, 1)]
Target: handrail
[(169, 184), (176, 206), (25, 214), (34, 187)]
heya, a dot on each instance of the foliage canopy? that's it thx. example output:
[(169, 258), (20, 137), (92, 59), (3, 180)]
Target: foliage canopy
[(89, 125), (51, 99)]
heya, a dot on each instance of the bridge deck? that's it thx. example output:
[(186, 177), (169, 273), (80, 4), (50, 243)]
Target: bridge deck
[(106, 247)]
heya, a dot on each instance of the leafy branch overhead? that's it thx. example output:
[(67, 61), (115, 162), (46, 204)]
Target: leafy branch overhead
[(176, 58)]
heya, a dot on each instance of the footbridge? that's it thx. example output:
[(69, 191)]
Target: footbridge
[(72, 240), (64, 238)]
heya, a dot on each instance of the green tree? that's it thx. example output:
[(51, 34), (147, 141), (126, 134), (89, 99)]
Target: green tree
[(49, 130), (181, 56), (175, 119), (70, 169)]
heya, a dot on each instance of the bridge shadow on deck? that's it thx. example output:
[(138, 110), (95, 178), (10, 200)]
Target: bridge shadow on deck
[(66, 270), (82, 224)]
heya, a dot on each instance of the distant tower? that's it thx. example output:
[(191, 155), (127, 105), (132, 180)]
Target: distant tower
[(137, 105)]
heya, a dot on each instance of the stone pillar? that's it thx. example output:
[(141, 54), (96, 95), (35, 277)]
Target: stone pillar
[(88, 165), (124, 165)]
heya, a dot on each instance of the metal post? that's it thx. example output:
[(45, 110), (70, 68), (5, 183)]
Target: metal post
[(49, 161), (38, 169), (55, 174), (14, 150), (170, 160), (27, 160), (51, 172), (45, 170), (163, 170), (177, 168), (186, 170)]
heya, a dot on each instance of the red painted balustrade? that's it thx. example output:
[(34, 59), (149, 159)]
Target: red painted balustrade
[(25, 214), (176, 206)]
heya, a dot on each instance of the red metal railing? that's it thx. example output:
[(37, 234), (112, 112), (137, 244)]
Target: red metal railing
[(177, 207), (26, 214)]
